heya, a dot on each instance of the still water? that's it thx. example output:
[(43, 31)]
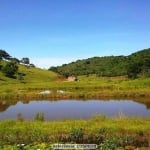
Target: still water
[(62, 109)]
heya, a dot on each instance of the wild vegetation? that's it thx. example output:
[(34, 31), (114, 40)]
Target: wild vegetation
[(26, 81), (108, 133), (105, 78), (86, 87), (134, 65)]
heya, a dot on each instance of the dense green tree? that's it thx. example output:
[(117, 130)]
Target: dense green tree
[(4, 54), (10, 69), (0, 66), (53, 69), (133, 70), (15, 60), (139, 64), (25, 60)]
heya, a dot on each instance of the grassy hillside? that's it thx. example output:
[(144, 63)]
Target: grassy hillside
[(106, 132), (132, 65), (22, 71), (34, 80), (32, 75), (37, 75), (84, 88)]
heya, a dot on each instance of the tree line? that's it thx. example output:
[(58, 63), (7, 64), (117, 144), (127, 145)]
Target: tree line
[(133, 66), (10, 67)]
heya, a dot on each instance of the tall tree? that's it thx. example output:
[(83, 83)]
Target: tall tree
[(10, 69), (133, 70), (25, 60), (4, 54)]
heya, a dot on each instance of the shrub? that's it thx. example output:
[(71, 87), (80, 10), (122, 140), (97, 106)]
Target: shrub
[(10, 69), (76, 135), (39, 116), (109, 144)]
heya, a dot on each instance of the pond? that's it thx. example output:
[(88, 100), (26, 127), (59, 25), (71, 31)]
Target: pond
[(64, 109)]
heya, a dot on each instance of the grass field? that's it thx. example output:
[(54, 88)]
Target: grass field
[(108, 133), (37, 80), (118, 132)]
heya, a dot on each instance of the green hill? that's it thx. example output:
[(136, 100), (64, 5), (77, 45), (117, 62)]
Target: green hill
[(32, 82), (30, 75), (13, 70), (21, 78), (29, 82), (135, 64)]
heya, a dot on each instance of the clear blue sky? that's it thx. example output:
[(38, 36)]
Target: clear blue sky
[(52, 32)]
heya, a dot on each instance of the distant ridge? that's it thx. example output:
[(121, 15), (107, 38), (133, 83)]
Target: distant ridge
[(109, 65)]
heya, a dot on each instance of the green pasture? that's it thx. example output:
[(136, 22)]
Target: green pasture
[(37, 80), (121, 131)]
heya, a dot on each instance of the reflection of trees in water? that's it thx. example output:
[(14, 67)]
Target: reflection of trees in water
[(3, 107), (146, 102), (5, 104), (147, 105)]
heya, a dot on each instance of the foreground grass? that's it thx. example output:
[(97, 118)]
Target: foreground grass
[(120, 131)]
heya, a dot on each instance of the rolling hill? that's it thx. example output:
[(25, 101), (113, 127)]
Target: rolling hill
[(30, 75), (13, 70), (29, 82), (135, 64)]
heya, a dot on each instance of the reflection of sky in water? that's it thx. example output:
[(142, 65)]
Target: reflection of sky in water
[(75, 109)]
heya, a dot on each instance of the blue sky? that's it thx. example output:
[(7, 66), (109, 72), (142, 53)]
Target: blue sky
[(53, 32)]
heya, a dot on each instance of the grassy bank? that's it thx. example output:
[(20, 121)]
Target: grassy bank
[(120, 132), (35, 80), (85, 87)]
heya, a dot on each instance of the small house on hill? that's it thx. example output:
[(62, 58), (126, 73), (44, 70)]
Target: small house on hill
[(72, 78)]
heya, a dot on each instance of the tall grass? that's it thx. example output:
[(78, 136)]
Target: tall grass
[(94, 130)]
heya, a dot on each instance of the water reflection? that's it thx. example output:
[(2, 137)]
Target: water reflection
[(60, 109)]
